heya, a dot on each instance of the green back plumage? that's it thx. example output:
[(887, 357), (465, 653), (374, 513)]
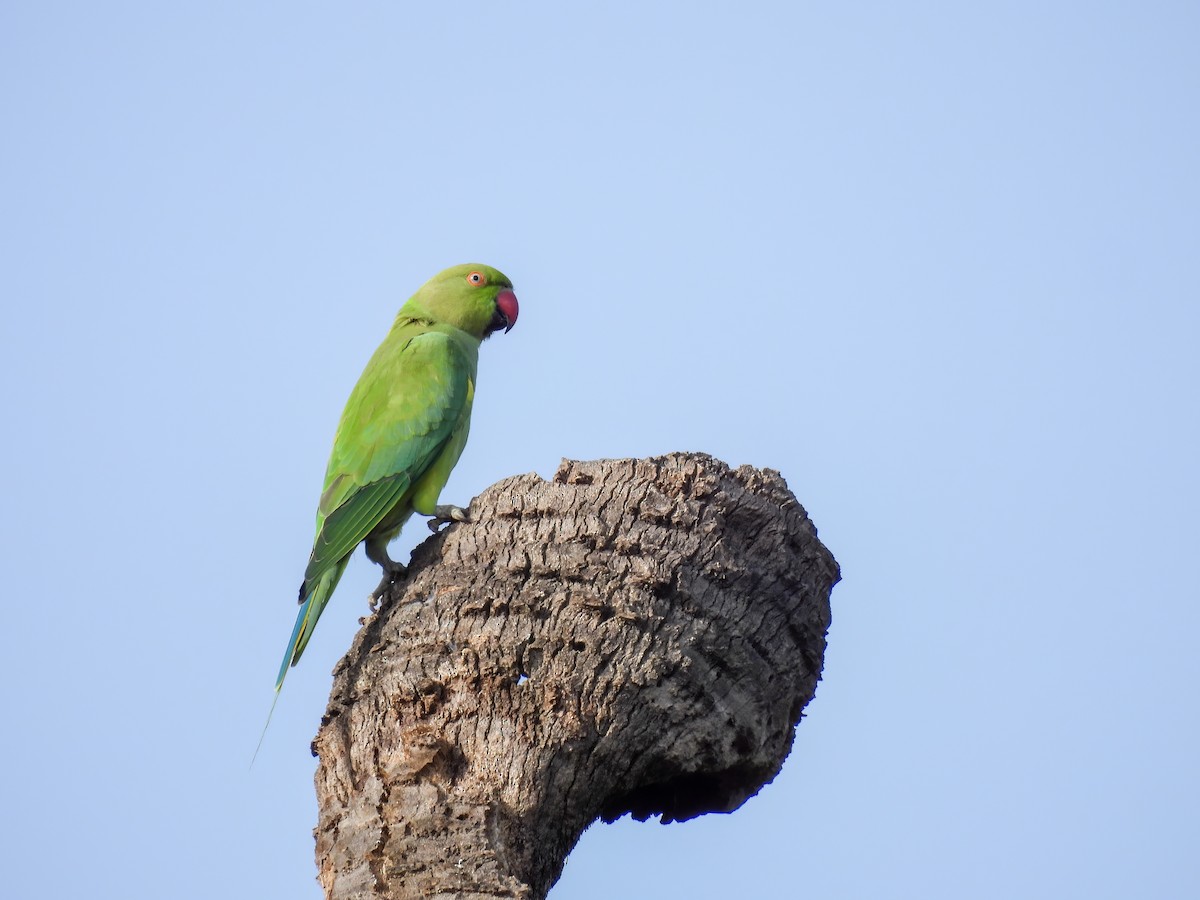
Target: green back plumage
[(402, 430)]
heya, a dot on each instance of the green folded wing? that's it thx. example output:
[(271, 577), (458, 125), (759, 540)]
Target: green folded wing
[(410, 400)]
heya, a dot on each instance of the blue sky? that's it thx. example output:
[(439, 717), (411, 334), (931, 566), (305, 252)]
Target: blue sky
[(937, 263)]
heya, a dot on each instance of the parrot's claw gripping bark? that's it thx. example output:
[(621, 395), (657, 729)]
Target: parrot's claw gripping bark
[(392, 572), (446, 512)]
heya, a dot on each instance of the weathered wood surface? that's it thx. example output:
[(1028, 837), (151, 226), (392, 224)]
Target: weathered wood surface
[(633, 636)]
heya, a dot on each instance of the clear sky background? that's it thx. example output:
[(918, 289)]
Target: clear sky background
[(939, 263)]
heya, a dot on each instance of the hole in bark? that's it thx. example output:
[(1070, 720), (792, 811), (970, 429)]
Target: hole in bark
[(578, 646)]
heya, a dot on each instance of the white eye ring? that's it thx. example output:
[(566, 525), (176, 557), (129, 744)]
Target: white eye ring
[(478, 279)]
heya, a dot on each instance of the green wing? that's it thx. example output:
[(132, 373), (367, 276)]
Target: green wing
[(410, 400)]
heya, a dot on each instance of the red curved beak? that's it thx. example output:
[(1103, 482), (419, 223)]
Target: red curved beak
[(506, 305)]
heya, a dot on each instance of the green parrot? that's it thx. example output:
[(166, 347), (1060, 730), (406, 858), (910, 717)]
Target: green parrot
[(401, 432)]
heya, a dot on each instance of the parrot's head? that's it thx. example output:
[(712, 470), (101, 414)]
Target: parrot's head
[(472, 297)]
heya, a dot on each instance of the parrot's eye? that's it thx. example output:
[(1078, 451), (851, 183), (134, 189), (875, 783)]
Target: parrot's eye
[(477, 279)]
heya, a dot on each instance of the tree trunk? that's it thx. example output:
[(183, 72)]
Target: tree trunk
[(634, 636)]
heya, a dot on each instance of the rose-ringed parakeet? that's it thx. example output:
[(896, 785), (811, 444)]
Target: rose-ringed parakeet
[(401, 432)]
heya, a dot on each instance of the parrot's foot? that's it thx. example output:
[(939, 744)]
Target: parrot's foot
[(392, 572), (446, 512)]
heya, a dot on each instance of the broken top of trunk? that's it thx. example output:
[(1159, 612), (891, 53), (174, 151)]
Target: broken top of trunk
[(634, 636)]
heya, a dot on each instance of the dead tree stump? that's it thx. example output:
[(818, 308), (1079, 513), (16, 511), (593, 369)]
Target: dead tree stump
[(634, 636)]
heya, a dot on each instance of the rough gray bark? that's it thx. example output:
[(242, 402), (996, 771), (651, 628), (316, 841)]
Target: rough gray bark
[(633, 636)]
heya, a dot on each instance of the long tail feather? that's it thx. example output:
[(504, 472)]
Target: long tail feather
[(266, 725), (292, 654), (306, 620)]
